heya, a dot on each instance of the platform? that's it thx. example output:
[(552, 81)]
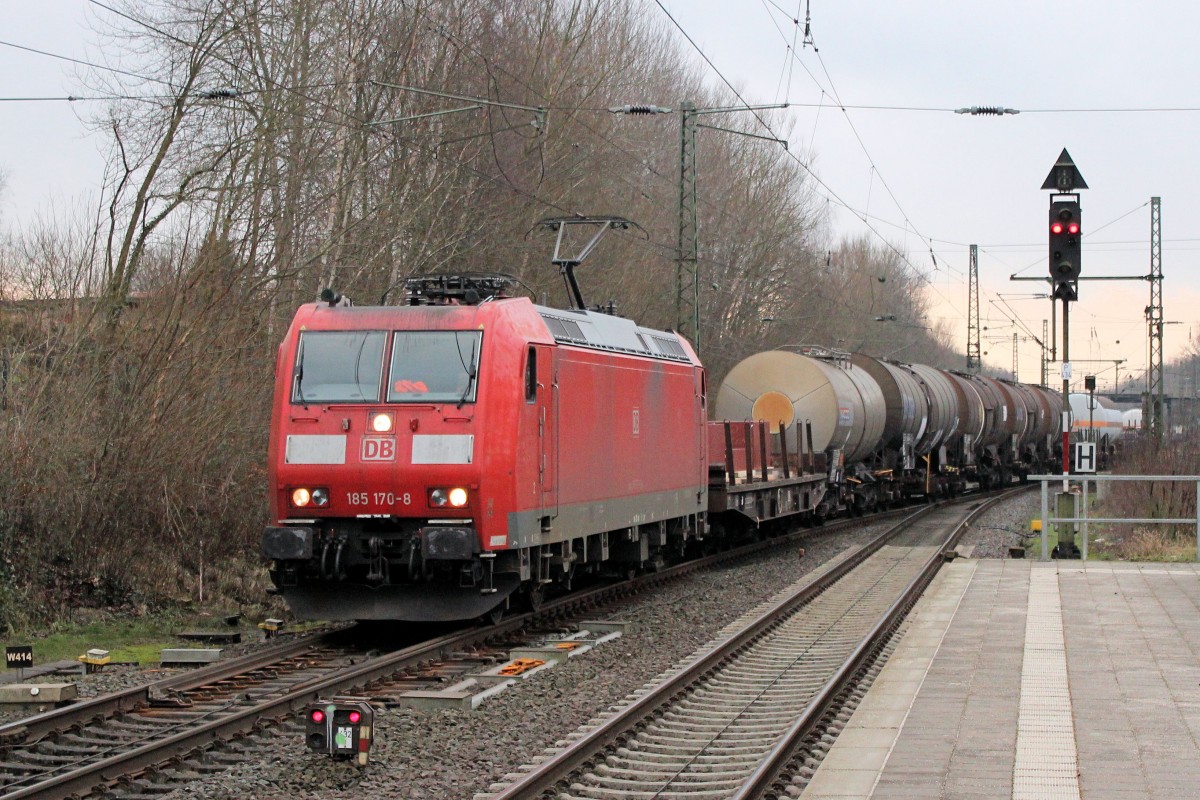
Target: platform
[(1020, 679)]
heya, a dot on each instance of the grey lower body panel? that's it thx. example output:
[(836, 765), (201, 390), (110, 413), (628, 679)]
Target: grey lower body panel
[(570, 521), (416, 603)]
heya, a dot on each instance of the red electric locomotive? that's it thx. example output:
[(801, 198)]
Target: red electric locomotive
[(434, 460)]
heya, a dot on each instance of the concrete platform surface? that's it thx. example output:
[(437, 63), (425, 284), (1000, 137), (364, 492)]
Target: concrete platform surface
[(1027, 680)]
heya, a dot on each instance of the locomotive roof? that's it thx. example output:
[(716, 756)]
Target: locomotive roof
[(589, 329), (606, 332)]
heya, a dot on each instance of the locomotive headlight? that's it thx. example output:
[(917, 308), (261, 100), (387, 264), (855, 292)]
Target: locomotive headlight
[(304, 497), (457, 497), (382, 422)]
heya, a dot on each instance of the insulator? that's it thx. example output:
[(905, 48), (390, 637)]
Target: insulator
[(996, 111)]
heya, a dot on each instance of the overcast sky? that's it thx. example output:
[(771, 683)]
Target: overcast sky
[(956, 180)]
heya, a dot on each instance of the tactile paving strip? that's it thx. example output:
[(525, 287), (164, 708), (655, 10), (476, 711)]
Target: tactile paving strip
[(1046, 766)]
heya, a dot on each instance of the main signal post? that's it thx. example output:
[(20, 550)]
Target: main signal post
[(1066, 234)]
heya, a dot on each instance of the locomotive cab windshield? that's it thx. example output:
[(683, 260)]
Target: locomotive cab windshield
[(425, 367), (338, 367), (433, 366)]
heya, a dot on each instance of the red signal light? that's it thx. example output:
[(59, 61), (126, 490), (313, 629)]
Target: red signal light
[(1056, 228), (1073, 228), (317, 716), (355, 717)]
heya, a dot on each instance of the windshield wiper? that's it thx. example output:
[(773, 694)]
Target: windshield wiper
[(470, 376), (300, 373)]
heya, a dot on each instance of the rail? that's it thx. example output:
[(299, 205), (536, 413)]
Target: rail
[(584, 749), (760, 782), (90, 775), (1084, 519), (581, 752)]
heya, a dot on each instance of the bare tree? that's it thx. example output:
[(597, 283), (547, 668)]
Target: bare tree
[(294, 144)]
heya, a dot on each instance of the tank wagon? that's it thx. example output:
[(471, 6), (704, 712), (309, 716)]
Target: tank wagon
[(1098, 419), (894, 431)]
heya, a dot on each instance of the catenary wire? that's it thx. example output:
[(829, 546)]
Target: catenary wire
[(81, 62), (834, 196)]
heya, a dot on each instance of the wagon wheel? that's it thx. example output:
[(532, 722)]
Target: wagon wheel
[(494, 616), (535, 595)]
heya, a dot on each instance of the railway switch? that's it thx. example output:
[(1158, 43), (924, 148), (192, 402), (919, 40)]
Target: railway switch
[(340, 728)]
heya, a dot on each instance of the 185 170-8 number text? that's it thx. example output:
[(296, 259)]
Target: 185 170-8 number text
[(378, 498)]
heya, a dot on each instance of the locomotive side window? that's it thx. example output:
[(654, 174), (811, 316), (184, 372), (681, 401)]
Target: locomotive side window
[(434, 366), (531, 376), (338, 367)]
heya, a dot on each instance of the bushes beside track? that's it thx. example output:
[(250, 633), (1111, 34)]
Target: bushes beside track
[(136, 460), (1178, 456)]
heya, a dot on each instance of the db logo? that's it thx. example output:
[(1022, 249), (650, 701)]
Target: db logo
[(378, 448)]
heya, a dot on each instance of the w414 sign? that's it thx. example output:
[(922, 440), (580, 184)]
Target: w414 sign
[(18, 657)]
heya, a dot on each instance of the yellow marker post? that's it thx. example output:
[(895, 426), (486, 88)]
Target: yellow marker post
[(94, 660)]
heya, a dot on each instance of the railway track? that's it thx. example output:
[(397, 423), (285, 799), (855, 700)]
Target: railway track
[(46, 754), (112, 740), (729, 723)]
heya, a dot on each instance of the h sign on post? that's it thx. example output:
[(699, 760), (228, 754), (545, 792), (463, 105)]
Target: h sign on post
[(1085, 456)]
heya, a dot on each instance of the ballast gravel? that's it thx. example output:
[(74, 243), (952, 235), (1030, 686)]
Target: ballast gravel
[(111, 679), (456, 753), (119, 677), (1004, 526)]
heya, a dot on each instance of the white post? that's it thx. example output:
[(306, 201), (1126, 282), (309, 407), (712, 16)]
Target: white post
[(1084, 498), (1045, 493)]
